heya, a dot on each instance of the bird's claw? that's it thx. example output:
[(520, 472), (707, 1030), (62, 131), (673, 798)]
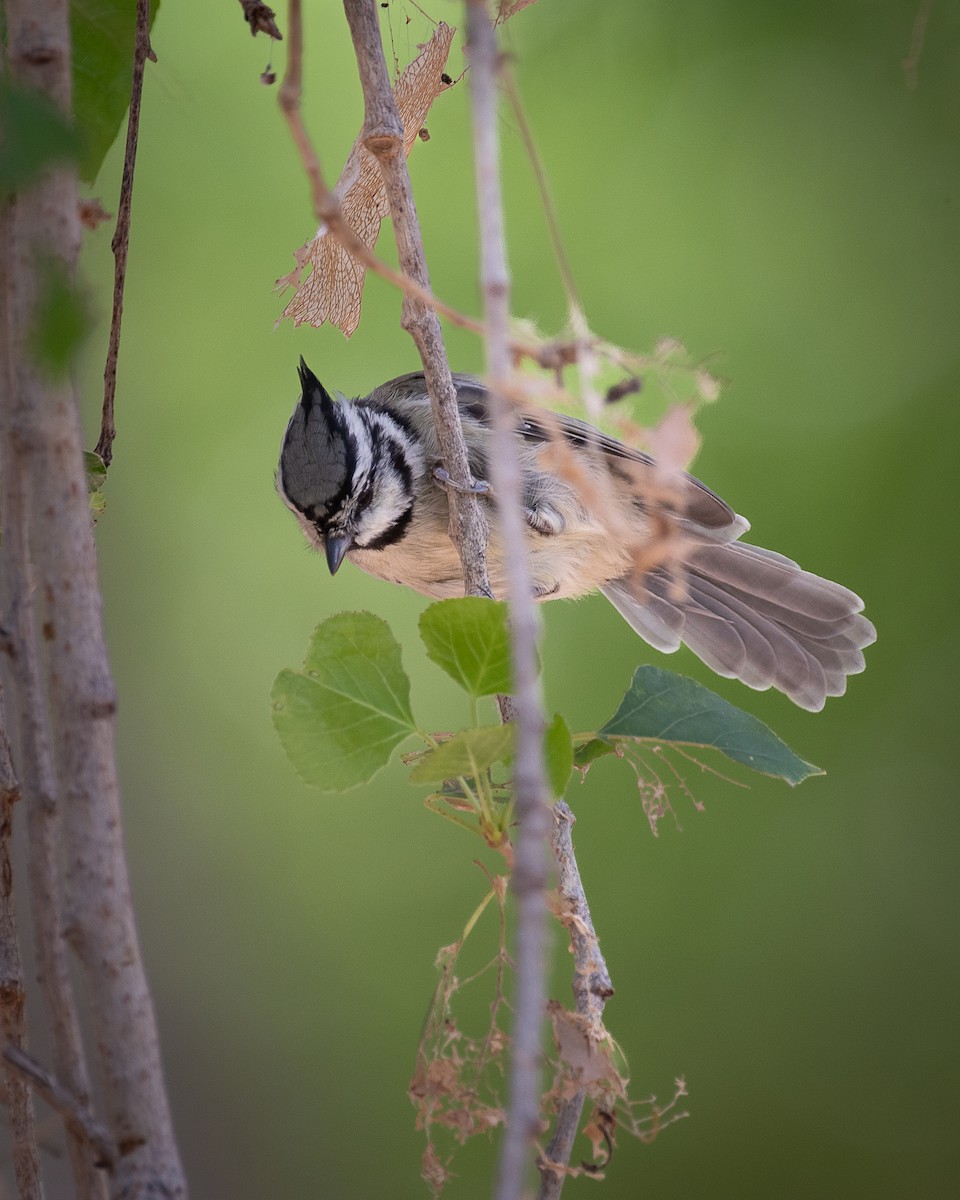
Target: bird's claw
[(478, 487)]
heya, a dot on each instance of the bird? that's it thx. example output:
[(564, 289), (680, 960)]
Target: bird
[(365, 481)]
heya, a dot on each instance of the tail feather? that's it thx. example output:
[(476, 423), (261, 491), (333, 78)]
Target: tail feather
[(753, 615), (724, 644), (817, 628), (772, 577), (794, 668), (662, 622)]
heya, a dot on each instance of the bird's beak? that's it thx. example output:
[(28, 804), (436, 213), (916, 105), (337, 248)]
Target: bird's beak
[(336, 546)]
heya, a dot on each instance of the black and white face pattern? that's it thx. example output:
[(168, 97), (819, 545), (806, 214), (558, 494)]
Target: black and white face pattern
[(348, 472)]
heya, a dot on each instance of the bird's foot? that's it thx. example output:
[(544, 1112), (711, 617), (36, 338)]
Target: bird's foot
[(476, 487)]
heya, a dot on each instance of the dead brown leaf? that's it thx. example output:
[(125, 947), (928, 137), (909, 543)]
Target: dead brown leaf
[(92, 213), (432, 1171), (333, 291), (587, 1051), (674, 441), (600, 1130), (510, 8)]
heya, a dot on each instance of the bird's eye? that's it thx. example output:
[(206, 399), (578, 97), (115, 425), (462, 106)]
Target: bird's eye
[(314, 514), (365, 499)]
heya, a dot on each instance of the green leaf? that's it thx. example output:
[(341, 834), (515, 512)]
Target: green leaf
[(103, 34), (340, 718), (469, 639), (670, 708), (558, 755), (467, 753), (96, 477), (589, 751), (95, 468), (34, 135)]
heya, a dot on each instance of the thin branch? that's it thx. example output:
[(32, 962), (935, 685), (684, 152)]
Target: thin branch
[(383, 136), (60, 1098), (26, 1154), (552, 355), (121, 238), (288, 97), (530, 874), (592, 987)]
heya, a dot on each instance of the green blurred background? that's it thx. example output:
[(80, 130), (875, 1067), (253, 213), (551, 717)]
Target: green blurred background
[(756, 180)]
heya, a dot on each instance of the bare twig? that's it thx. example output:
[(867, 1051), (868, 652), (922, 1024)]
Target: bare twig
[(383, 136), (530, 873), (260, 18), (592, 987), (26, 1154), (552, 355), (60, 1098), (288, 97), (75, 696), (121, 238)]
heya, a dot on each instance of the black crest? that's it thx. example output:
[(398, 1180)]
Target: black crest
[(318, 455), (313, 391)]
